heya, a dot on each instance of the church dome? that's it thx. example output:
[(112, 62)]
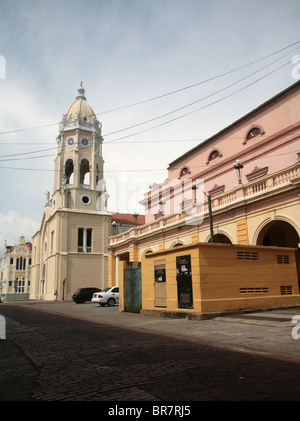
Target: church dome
[(80, 109)]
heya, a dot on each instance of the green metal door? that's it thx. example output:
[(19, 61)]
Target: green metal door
[(132, 290)]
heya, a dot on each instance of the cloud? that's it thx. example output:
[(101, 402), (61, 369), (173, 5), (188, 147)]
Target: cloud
[(13, 226)]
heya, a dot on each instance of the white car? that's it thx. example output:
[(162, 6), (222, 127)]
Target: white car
[(109, 296)]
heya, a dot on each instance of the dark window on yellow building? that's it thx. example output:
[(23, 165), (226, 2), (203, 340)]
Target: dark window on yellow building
[(85, 240)]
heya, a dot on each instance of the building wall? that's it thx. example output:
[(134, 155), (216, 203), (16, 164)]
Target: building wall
[(273, 117), (62, 261), (15, 274), (277, 147), (242, 213), (225, 277)]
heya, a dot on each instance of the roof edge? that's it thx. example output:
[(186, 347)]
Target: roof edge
[(264, 104)]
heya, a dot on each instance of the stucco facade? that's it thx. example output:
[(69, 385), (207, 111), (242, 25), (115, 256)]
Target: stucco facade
[(222, 277), (15, 270), (70, 248), (241, 187)]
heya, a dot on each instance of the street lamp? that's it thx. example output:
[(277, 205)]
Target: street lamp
[(211, 228), (135, 218), (210, 217), (238, 167)]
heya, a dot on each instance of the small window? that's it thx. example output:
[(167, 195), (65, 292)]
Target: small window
[(254, 290), (253, 132), (85, 200), (247, 255), (286, 290), (80, 239), (84, 240), (52, 242), (184, 171), (88, 240), (214, 154), (283, 259)]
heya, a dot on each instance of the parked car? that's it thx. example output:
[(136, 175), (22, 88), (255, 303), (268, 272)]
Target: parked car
[(109, 296), (82, 295)]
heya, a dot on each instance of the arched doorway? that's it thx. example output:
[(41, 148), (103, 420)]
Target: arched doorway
[(221, 238), (281, 234), (278, 233)]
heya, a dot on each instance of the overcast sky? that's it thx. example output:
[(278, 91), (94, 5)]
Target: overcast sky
[(128, 52)]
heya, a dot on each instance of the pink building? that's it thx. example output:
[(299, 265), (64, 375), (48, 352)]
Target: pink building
[(249, 173)]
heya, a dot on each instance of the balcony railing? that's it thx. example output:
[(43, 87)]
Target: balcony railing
[(247, 192)]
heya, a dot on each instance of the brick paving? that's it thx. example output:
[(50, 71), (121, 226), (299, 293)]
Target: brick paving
[(49, 357)]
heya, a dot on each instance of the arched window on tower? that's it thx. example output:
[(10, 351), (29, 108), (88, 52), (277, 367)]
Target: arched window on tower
[(69, 171), (97, 174), (85, 173)]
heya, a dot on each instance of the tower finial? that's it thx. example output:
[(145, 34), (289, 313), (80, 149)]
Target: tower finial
[(81, 92)]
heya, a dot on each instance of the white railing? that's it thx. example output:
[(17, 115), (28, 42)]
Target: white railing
[(246, 192)]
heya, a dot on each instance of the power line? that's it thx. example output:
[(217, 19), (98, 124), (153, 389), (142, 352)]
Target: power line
[(199, 109), (166, 94), (184, 115), (199, 100), (27, 153), (202, 82), (171, 112), (136, 170)]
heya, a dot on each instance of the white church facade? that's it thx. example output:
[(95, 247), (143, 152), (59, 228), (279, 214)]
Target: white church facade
[(70, 249)]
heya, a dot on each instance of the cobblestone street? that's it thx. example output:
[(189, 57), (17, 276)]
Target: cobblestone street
[(50, 357)]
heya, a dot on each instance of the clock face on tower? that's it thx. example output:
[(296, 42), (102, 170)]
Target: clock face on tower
[(70, 141), (85, 142)]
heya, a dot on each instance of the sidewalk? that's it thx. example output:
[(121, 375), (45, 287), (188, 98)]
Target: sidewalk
[(267, 332)]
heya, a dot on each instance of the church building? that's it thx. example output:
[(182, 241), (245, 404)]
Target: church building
[(69, 250)]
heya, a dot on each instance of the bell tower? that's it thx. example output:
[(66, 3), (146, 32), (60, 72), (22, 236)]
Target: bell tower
[(79, 163), (70, 248)]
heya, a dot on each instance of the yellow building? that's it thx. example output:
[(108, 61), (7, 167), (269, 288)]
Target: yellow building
[(208, 278), (69, 250), (15, 271)]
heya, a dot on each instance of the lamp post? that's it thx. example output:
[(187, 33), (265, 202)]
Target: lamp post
[(210, 218), (238, 167), (135, 218), (211, 228)]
